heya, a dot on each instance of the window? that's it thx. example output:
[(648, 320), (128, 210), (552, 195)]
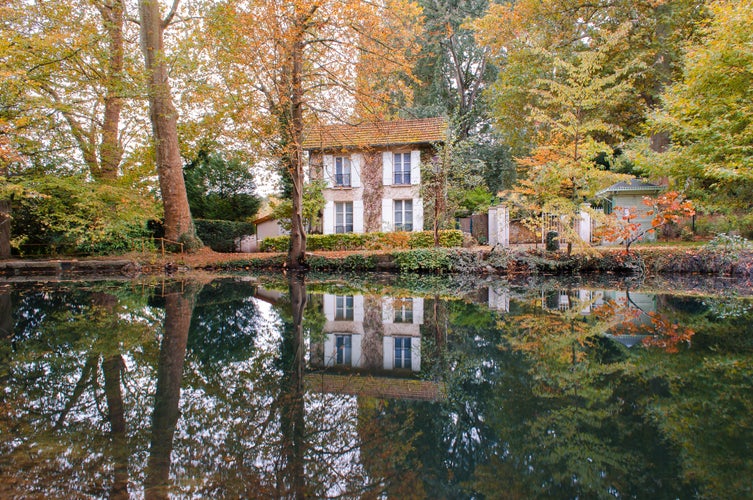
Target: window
[(344, 217), (403, 310), (403, 215), (342, 171), (402, 352), (344, 307), (402, 168), (344, 350)]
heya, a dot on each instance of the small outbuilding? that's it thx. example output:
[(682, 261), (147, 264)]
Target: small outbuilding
[(628, 196)]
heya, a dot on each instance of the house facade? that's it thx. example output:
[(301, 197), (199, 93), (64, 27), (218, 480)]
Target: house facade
[(372, 173)]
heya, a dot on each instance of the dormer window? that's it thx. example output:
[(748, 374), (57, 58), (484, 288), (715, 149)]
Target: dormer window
[(342, 171)]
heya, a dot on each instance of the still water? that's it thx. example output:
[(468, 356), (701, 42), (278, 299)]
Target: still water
[(415, 388)]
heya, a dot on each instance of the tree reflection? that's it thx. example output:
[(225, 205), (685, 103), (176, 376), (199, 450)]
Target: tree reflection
[(179, 305), (291, 398)]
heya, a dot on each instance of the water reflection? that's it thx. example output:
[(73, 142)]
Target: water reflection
[(292, 390)]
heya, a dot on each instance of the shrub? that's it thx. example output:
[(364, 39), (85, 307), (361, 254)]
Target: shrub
[(435, 260), (220, 235), (367, 241), (78, 216), (275, 244)]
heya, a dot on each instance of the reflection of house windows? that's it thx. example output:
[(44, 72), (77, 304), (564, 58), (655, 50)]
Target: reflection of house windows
[(344, 308), (342, 171), (402, 168), (344, 350), (403, 215), (344, 217), (403, 310), (402, 352)]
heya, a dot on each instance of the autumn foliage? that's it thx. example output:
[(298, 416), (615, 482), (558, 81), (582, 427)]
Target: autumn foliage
[(668, 208)]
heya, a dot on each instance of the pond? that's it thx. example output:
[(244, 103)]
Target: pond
[(376, 387)]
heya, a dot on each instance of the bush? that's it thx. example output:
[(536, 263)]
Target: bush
[(73, 215), (220, 235), (367, 241), (434, 260)]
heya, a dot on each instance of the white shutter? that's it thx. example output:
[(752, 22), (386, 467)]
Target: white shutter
[(388, 312), (415, 167), (388, 351), (328, 218), (329, 170), (330, 350), (357, 216), (356, 166), (356, 356), (415, 354), (387, 166), (387, 215), (329, 306), (358, 309), (418, 310), (418, 214)]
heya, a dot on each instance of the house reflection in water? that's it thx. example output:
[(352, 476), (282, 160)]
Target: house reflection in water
[(370, 334), (636, 309)]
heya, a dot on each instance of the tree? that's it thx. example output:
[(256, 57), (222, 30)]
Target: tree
[(65, 76), (708, 113), (220, 189), (313, 204), (516, 33), (164, 118), (304, 60), (667, 208)]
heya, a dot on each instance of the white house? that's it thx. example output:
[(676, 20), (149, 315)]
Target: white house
[(372, 173)]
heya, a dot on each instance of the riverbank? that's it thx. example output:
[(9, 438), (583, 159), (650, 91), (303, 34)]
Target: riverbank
[(650, 261)]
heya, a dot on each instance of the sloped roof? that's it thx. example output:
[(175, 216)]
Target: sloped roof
[(632, 185), (391, 133)]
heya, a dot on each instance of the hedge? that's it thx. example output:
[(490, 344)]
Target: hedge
[(220, 235), (367, 241)]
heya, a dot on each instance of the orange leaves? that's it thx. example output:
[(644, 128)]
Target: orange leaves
[(666, 335), (656, 329), (667, 208)]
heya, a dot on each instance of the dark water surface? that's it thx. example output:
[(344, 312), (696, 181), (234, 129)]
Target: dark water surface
[(417, 388)]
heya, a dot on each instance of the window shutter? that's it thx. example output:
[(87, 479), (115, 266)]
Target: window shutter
[(415, 354), (418, 311), (387, 215), (415, 167), (328, 218), (329, 306), (388, 312), (418, 214), (387, 161), (356, 165), (329, 170), (358, 309), (357, 216), (388, 352)]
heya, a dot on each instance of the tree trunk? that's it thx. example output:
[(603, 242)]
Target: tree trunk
[(178, 312), (178, 223), (297, 251), (4, 229), (110, 150)]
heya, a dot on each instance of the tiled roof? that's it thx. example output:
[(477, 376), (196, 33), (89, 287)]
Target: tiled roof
[(633, 185), (424, 131)]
